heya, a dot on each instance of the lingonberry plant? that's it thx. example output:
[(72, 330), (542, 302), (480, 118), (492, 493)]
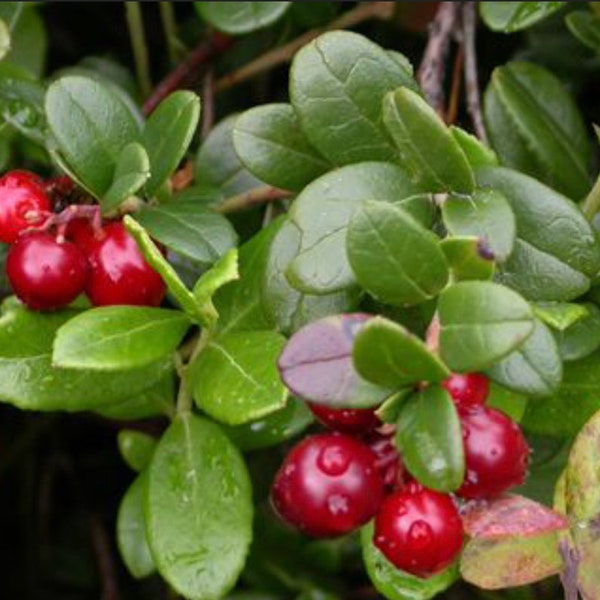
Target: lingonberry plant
[(343, 325)]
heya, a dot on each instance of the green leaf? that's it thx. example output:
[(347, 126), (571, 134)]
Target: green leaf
[(91, 125), (429, 437), (131, 172), (269, 141), (238, 18), (487, 215), (4, 39), (468, 257), (390, 409), (477, 153), (136, 448), (535, 127), (118, 338), (426, 145), (388, 354), (337, 82), (582, 337), (322, 213), (198, 509), (534, 369), (395, 584), (513, 16), (556, 251), (585, 26), (29, 39), (560, 315), (393, 256), (481, 323), (131, 530), (168, 134), (235, 378)]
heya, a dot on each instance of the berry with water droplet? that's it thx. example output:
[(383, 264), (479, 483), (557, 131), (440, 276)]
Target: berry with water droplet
[(388, 462), (418, 530), (496, 453), (467, 389), (346, 420), (328, 485)]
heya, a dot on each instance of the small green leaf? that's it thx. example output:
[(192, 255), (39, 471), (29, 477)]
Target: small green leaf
[(136, 448), (585, 26), (560, 315), (238, 18), (487, 215), (468, 257), (168, 134), (393, 257), (388, 354), (429, 437), (426, 146), (390, 409), (481, 323), (198, 509), (131, 530), (118, 338), (235, 378), (131, 172), (582, 337), (4, 39), (513, 16), (269, 141), (477, 153)]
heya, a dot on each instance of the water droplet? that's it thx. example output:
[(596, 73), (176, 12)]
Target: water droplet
[(420, 533), (338, 504), (333, 461)]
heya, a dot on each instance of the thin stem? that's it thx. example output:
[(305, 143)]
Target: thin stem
[(254, 197), (139, 45), (184, 397), (457, 71), (167, 15), (106, 564), (283, 54), (208, 103), (591, 205)]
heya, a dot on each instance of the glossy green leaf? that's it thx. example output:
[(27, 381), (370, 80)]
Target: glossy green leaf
[(429, 438), (322, 213), (198, 509), (582, 337), (468, 258), (136, 448), (389, 411), (477, 153), (556, 251), (395, 584), (235, 378), (513, 16), (481, 323), (535, 127), (91, 125), (168, 134), (118, 338), (238, 18), (487, 215), (426, 146), (269, 141), (534, 369), (337, 82), (131, 172), (585, 26), (131, 530), (388, 354)]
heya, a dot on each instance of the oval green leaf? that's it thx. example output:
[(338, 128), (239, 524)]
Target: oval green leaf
[(513, 16), (468, 258), (561, 315), (238, 18), (585, 26), (582, 337), (477, 153), (136, 448)]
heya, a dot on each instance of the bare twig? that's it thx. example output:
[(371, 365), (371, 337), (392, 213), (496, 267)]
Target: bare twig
[(208, 103), (432, 69), (106, 564), (254, 197), (283, 54), (457, 71), (469, 21)]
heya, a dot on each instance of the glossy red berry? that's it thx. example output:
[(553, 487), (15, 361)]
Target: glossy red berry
[(468, 389), (496, 453), (418, 530), (23, 203), (46, 274), (328, 485), (346, 420), (119, 272), (82, 234)]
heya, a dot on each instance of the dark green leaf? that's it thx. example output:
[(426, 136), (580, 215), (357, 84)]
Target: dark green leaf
[(508, 402), (198, 509), (513, 16), (388, 354), (585, 26), (337, 82), (478, 154), (468, 257), (582, 337), (29, 40), (136, 448), (426, 146), (429, 437), (239, 18), (481, 323)]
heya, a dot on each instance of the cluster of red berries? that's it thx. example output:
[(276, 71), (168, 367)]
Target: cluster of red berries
[(53, 258), (332, 483)]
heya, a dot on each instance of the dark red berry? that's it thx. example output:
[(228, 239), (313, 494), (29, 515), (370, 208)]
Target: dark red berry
[(468, 389), (119, 272), (496, 453), (23, 204), (346, 420), (59, 187), (81, 233), (328, 485), (46, 274), (418, 530), (389, 463)]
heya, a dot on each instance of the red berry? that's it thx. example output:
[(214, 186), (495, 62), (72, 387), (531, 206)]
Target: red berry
[(496, 453), (346, 420), (328, 485), (468, 389), (22, 204), (389, 463), (81, 233), (119, 272), (46, 274), (419, 530)]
